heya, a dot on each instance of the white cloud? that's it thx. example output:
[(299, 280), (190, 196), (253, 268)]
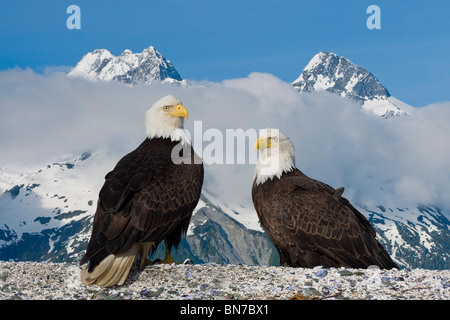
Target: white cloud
[(413, 189), (46, 117)]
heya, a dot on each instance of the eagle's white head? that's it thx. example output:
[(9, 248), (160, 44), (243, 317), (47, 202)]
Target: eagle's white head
[(165, 119), (276, 155)]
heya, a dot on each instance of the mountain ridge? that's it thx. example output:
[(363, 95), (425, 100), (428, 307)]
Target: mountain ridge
[(326, 71), (146, 67), (46, 214), (42, 221)]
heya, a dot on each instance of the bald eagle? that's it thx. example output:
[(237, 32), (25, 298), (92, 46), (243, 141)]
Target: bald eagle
[(309, 222), (147, 198)]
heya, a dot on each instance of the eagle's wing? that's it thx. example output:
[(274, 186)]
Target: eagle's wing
[(325, 223), (144, 198)]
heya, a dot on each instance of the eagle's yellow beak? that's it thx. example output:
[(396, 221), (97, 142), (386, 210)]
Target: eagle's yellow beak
[(262, 143), (180, 111)]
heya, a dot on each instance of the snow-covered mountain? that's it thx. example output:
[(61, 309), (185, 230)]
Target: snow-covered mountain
[(328, 71), (47, 214), (145, 67)]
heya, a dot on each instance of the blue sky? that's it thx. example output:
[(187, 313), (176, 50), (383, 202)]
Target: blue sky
[(217, 40)]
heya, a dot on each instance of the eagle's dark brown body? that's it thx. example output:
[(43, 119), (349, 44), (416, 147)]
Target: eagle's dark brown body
[(145, 198), (311, 224)]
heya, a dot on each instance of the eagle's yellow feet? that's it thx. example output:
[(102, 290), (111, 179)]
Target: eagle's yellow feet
[(146, 262), (168, 259)]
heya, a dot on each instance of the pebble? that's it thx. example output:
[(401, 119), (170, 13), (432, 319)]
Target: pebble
[(345, 273), (60, 281), (321, 273)]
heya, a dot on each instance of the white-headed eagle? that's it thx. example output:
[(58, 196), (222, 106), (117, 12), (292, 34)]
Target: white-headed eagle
[(146, 199), (309, 222)]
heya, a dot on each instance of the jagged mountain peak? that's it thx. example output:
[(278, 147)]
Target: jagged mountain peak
[(146, 67), (327, 71)]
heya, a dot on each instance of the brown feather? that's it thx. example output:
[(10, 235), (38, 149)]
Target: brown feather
[(311, 224), (145, 198)]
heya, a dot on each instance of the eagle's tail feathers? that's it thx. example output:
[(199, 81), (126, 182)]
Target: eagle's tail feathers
[(113, 270)]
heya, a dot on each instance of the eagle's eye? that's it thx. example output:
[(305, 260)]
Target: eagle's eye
[(275, 139), (166, 108)]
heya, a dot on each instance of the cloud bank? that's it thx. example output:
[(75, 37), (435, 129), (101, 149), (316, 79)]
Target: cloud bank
[(45, 118)]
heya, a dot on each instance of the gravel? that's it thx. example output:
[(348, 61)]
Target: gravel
[(60, 281)]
